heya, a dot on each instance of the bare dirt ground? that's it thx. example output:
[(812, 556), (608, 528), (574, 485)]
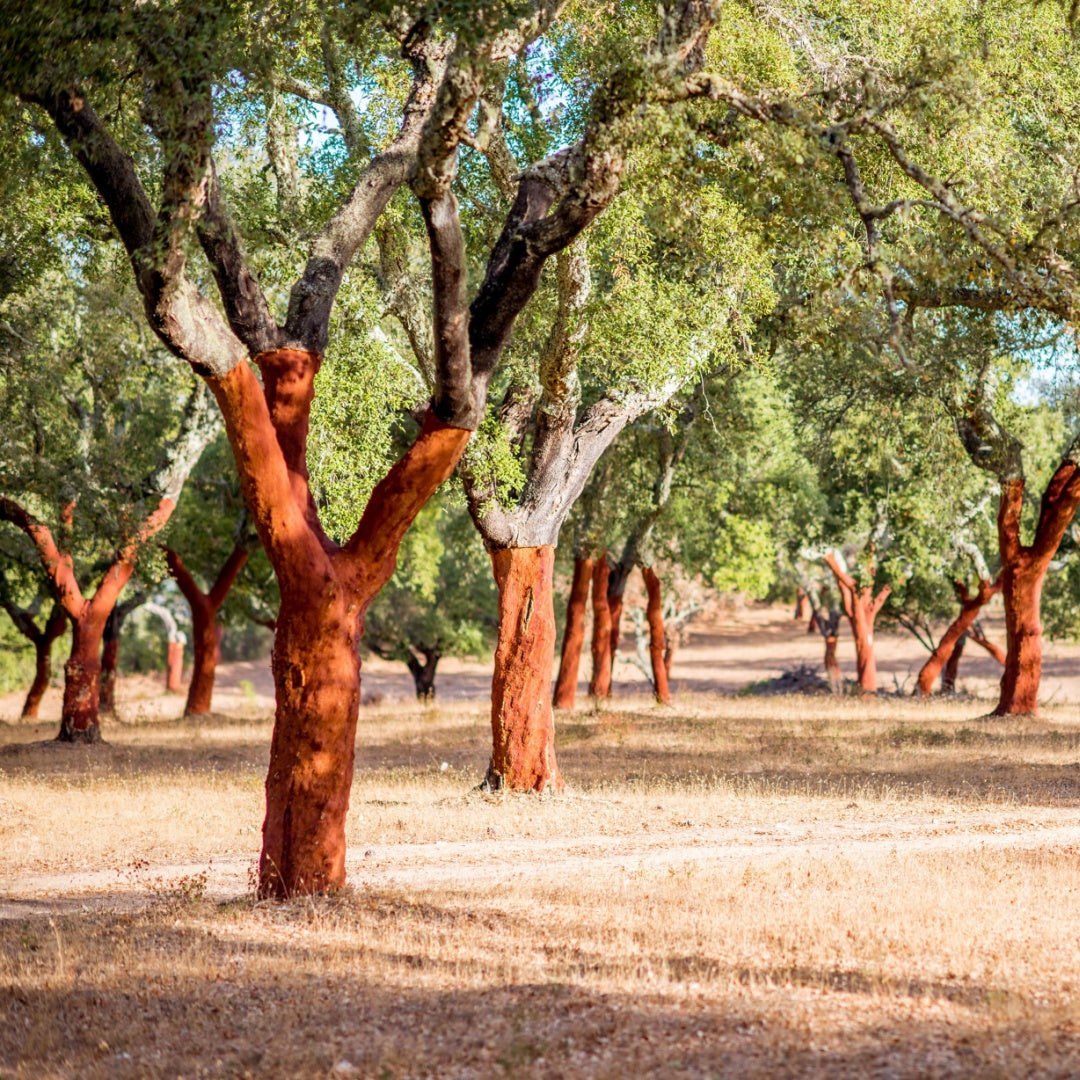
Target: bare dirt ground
[(757, 886)]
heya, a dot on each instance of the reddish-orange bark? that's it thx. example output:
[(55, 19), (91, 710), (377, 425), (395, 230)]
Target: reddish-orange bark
[(325, 591), (861, 608), (54, 628), (655, 615), (970, 606), (992, 647), (574, 634), (174, 667), (205, 629), (82, 673), (1023, 570), (522, 724), (832, 665), (600, 684)]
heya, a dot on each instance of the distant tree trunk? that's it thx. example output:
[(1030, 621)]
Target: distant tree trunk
[(54, 628), (574, 633), (801, 600), (205, 629), (422, 668), (970, 606), (952, 665), (618, 576), (812, 623), (861, 608), (522, 723), (832, 665), (669, 655), (655, 615), (600, 684), (995, 650), (174, 667), (1023, 570)]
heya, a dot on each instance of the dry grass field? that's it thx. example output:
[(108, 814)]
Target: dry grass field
[(731, 887)]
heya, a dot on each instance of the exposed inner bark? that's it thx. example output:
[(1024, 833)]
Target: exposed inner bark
[(618, 576), (205, 629), (655, 615), (600, 683), (574, 633), (325, 591), (43, 642), (970, 606), (992, 647), (82, 681), (1023, 570), (522, 723), (832, 665), (861, 608), (174, 667)]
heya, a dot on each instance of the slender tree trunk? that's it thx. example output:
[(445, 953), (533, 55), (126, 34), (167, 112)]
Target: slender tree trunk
[(1021, 588), (862, 625), (618, 576), (970, 606), (174, 667), (669, 655), (600, 684), (522, 723), (204, 651), (1023, 570), (423, 673), (655, 615), (800, 603), (992, 647), (574, 633), (952, 665), (832, 665), (43, 646), (82, 681), (206, 631), (861, 608)]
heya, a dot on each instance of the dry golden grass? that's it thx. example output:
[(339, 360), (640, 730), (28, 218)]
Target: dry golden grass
[(756, 887)]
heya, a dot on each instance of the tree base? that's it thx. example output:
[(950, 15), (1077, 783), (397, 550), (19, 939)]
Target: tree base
[(87, 736)]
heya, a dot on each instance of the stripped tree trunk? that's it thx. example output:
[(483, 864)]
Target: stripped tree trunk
[(326, 588), (574, 633), (205, 636), (970, 606), (82, 672), (600, 684), (832, 665), (522, 724), (1023, 570), (655, 615), (54, 628), (861, 608), (992, 647)]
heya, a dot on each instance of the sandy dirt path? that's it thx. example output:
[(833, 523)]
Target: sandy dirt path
[(470, 864)]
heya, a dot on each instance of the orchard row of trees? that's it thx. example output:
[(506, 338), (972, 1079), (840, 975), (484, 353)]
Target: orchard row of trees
[(767, 296)]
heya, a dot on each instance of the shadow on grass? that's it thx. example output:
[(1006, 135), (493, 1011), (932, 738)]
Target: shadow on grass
[(239, 991)]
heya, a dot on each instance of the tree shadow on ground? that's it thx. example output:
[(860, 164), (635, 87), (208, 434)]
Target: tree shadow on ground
[(300, 992)]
